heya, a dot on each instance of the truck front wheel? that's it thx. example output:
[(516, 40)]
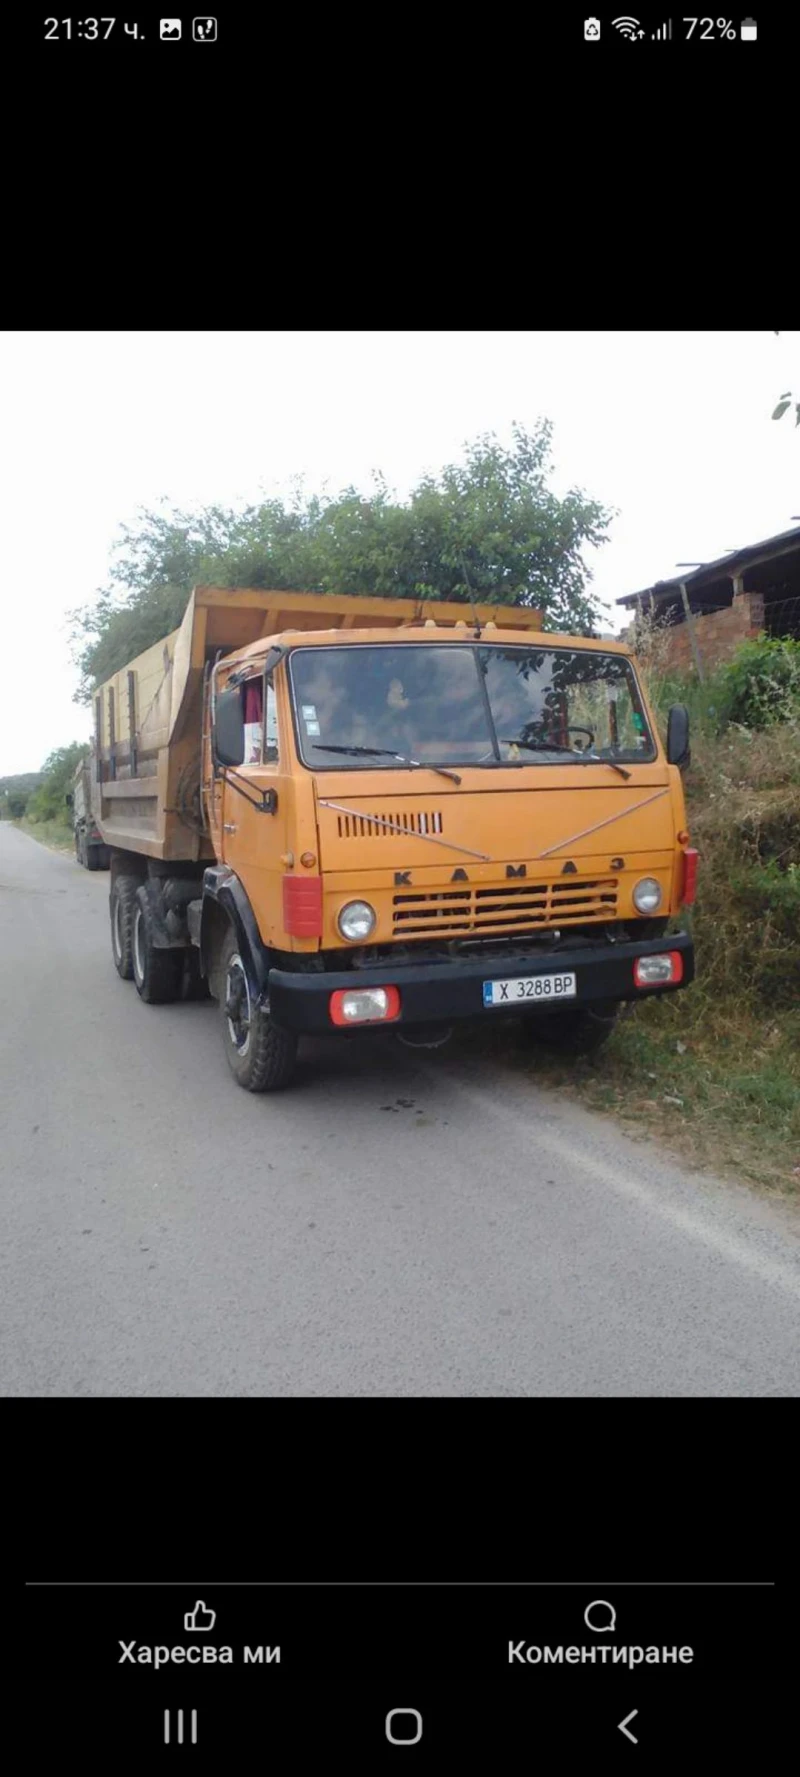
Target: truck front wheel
[(578, 1030), (261, 1056), (157, 973), (122, 902)]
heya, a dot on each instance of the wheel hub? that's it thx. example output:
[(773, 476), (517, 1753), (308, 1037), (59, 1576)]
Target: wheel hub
[(237, 1005)]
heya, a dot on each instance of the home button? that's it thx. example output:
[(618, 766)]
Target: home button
[(404, 1727)]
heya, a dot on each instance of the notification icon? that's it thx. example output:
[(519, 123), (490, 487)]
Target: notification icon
[(170, 30), (204, 30), (591, 30)]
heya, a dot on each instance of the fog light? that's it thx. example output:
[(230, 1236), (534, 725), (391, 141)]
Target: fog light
[(647, 895), (356, 921), (364, 1005), (658, 971)]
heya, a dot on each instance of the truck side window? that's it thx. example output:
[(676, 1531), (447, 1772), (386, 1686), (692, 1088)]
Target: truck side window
[(253, 721)]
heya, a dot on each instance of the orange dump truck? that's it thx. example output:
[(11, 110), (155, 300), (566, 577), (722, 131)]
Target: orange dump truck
[(338, 814)]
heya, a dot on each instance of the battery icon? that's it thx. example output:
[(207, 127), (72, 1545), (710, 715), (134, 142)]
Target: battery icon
[(749, 30)]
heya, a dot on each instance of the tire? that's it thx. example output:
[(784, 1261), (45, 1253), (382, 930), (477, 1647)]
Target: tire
[(122, 901), (92, 855), (261, 1056), (157, 973), (576, 1030)]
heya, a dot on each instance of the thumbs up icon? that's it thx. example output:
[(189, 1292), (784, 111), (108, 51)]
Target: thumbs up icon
[(199, 1619)]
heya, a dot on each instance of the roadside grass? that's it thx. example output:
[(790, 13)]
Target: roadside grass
[(714, 1072), (55, 834), (724, 1094)]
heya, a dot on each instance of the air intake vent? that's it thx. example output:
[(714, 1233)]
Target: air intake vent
[(388, 821), (522, 907)]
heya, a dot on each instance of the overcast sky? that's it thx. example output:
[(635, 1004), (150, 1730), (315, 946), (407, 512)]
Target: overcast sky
[(671, 428)]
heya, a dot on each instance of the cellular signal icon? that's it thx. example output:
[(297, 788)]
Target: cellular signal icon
[(663, 34), (629, 28)]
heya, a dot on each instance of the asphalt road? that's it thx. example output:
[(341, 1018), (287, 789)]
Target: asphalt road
[(398, 1223)]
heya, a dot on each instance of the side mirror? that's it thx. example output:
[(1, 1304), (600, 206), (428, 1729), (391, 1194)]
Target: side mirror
[(678, 751), (229, 729), (69, 799)]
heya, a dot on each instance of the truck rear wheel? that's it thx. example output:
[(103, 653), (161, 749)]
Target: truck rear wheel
[(92, 855), (122, 902), (261, 1056), (157, 973), (578, 1030)]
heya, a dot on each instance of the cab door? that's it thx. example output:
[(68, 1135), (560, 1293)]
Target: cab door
[(253, 810)]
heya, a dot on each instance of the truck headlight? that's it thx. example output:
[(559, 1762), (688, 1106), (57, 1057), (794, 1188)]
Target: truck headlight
[(647, 895), (356, 921)]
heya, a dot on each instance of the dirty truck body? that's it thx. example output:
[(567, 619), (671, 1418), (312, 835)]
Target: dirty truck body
[(338, 814)]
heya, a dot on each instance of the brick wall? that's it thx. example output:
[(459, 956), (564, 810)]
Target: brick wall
[(718, 634)]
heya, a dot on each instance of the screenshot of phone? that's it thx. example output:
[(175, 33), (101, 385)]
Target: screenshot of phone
[(400, 892)]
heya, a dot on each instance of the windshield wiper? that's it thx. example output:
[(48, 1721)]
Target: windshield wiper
[(552, 746), (386, 753), (596, 760)]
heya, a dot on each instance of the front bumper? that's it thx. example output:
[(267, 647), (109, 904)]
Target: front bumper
[(449, 991)]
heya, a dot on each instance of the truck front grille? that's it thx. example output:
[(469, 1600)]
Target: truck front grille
[(521, 907)]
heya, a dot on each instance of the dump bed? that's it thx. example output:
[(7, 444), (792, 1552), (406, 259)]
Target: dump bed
[(148, 717)]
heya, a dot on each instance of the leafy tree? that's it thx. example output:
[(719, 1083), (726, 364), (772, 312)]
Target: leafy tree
[(47, 803), (17, 788), (490, 523)]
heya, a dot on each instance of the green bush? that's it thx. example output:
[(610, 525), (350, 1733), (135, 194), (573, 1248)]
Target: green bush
[(767, 892), (761, 685), (47, 803)]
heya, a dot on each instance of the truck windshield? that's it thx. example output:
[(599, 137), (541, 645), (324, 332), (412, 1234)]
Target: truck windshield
[(464, 705), (554, 701)]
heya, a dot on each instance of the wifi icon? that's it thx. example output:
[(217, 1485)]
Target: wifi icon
[(629, 28)]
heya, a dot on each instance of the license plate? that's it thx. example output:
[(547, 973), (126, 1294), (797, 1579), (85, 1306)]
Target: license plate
[(529, 990)]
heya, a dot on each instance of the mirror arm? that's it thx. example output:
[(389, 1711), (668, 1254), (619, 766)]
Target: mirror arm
[(266, 803)]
